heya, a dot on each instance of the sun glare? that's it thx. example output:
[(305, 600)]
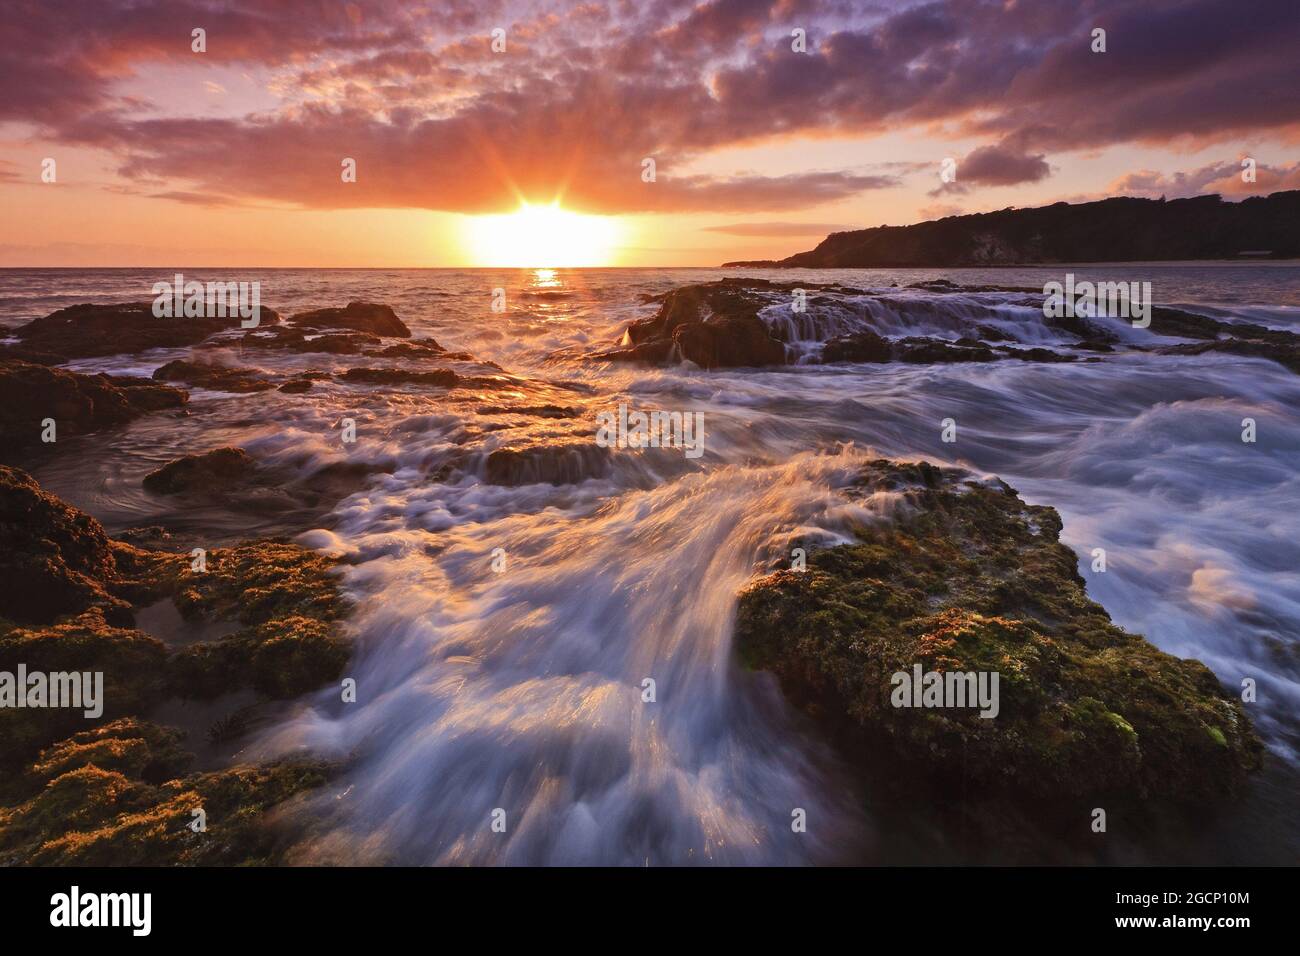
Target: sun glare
[(541, 236)]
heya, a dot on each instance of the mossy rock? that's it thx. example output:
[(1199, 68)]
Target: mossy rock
[(135, 748), (108, 790), (97, 805), (258, 582), (969, 578), (131, 662), (282, 658)]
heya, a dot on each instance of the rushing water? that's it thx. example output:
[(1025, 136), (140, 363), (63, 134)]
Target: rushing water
[(522, 689)]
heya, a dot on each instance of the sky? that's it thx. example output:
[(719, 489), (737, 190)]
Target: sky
[(769, 124)]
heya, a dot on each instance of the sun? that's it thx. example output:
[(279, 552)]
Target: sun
[(541, 236)]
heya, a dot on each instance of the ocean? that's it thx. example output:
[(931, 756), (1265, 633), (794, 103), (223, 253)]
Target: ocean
[(522, 687)]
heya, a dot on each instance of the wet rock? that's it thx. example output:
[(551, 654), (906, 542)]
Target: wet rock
[(114, 797), (440, 377), (741, 341), (358, 316), (991, 333), (863, 346), (288, 603), (1093, 345), (929, 351), (54, 560), (714, 325), (653, 352), (219, 378), (85, 331), (66, 592), (533, 411), (557, 463), (1037, 355), (337, 344), (1286, 354), (131, 663), (1082, 326), (969, 578), (78, 403), (300, 340), (110, 791), (129, 746), (230, 477), (417, 348), (213, 470)]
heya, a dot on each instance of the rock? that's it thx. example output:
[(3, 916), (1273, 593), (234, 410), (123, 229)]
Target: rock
[(1037, 354), (297, 386), (110, 792), (78, 403), (440, 377), (928, 351), (554, 463), (534, 411), (969, 578), (357, 316), (114, 796), (1285, 354), (865, 346), (287, 602), (130, 661), (66, 593), (129, 746), (214, 470), (85, 331), (741, 341), (653, 352), (231, 478), (219, 378), (417, 348), (54, 560), (991, 333), (299, 340), (714, 325)]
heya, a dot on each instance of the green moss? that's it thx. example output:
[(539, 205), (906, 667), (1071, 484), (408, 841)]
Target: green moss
[(970, 578), (98, 806), (131, 662), (110, 790)]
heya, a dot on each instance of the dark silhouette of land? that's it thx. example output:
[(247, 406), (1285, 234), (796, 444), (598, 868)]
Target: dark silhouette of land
[(1111, 230)]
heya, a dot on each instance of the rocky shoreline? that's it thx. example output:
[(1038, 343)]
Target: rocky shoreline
[(718, 325), (965, 577)]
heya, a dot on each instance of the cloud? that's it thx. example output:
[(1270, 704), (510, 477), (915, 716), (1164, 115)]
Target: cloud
[(584, 93), (1222, 178), (994, 166)]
